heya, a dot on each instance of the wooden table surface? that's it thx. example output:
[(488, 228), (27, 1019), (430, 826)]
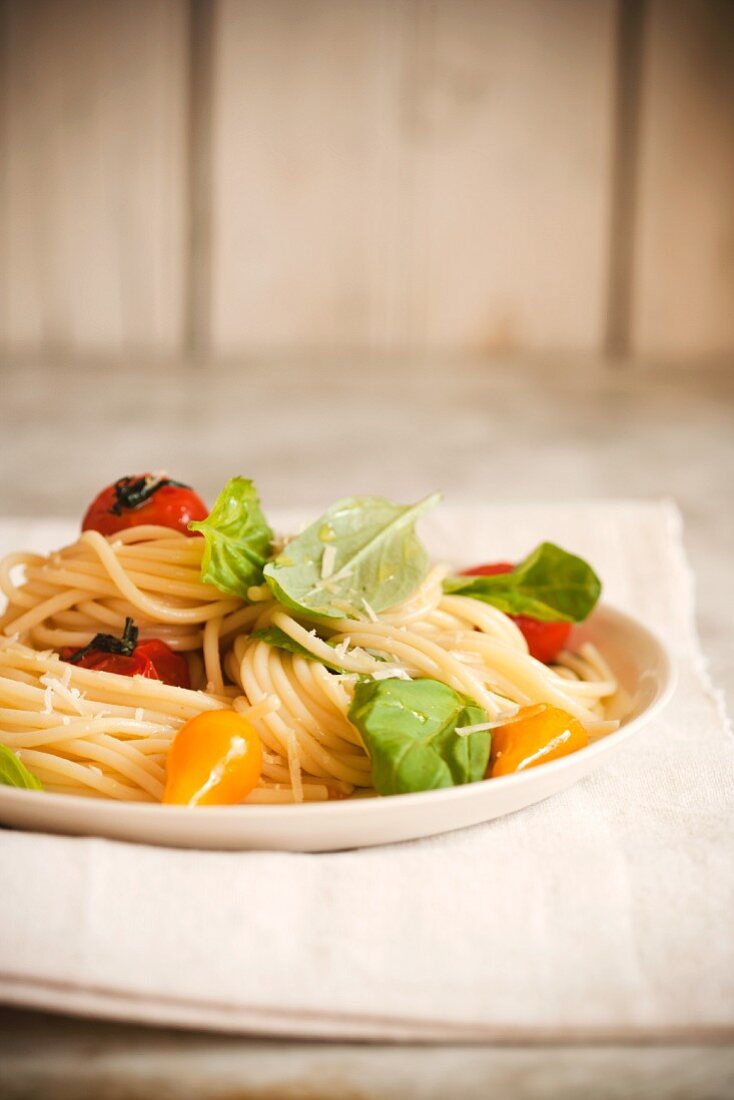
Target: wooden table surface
[(309, 433)]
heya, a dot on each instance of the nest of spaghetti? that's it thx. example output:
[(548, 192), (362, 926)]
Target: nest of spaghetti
[(292, 676)]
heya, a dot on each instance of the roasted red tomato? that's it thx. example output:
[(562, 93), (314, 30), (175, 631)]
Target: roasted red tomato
[(126, 656), (172, 668), (545, 640), (143, 499)]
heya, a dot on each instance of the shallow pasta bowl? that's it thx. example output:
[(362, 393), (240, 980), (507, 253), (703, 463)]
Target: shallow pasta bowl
[(640, 661)]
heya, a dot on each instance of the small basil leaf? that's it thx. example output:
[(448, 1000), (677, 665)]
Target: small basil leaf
[(550, 584), (237, 537), (278, 638), (13, 773), (377, 559), (409, 730)]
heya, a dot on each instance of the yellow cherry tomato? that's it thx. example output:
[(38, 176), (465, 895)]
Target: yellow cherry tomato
[(215, 760), (537, 734)]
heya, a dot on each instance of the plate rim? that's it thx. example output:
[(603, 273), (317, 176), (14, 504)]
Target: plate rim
[(263, 813)]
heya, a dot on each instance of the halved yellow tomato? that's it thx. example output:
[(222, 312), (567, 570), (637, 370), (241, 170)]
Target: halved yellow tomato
[(215, 760), (537, 734)]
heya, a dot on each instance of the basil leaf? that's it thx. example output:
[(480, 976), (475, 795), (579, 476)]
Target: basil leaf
[(278, 638), (13, 773), (550, 584), (409, 729), (377, 559), (238, 539)]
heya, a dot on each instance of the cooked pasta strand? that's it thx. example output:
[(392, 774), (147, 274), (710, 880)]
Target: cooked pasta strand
[(105, 735)]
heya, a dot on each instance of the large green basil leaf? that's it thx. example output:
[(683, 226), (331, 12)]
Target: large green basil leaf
[(376, 559), (278, 638), (409, 730), (13, 773), (238, 539), (550, 584)]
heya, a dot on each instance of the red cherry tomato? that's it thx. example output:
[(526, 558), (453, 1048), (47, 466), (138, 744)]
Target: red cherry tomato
[(170, 667), (119, 663), (126, 656), (488, 570), (144, 499), (545, 640)]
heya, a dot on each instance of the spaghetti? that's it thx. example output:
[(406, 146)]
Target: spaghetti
[(91, 732), (94, 732)]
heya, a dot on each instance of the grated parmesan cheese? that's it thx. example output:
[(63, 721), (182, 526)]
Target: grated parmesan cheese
[(328, 560), (48, 701), (464, 731), (56, 687), (390, 674), (370, 611), (503, 720), (342, 648)]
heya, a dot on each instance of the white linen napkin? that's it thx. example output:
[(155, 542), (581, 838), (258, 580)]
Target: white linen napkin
[(605, 911)]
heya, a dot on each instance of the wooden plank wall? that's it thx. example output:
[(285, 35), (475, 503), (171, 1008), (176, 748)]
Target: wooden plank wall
[(246, 177), (683, 282), (93, 158), (430, 175)]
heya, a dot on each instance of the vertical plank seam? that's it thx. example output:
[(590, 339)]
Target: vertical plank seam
[(390, 281), (418, 246), (4, 186), (198, 260), (626, 122), (379, 268)]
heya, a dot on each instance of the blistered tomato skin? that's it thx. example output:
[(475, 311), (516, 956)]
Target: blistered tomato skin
[(119, 663), (215, 760), (545, 640), (144, 499), (538, 734), (170, 667), (126, 656)]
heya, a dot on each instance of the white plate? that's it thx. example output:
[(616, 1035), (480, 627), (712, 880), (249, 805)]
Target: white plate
[(639, 659)]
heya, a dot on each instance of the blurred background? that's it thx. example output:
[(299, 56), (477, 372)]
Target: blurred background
[(371, 246), (249, 177)]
